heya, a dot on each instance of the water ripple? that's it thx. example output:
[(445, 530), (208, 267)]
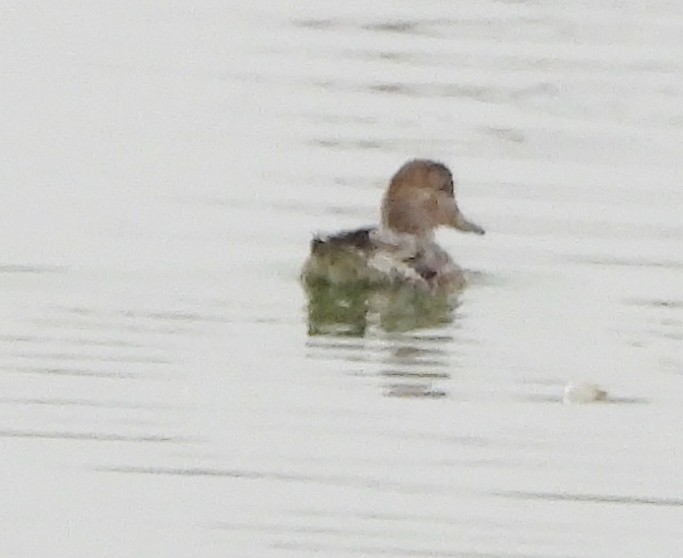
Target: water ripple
[(594, 498)]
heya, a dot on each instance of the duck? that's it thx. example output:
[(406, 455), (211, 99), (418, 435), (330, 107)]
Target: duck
[(401, 249)]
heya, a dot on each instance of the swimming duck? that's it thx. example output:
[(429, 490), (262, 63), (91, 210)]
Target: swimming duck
[(402, 249)]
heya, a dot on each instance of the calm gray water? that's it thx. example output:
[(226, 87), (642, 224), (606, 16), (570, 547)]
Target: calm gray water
[(163, 168)]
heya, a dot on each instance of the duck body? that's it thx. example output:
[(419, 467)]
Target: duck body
[(401, 250), (373, 256)]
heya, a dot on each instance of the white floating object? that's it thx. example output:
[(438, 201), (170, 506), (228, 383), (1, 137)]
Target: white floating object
[(583, 393)]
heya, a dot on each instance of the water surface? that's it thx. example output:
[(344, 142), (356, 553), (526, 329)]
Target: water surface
[(166, 387)]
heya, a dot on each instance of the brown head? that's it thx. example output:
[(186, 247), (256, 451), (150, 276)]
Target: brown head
[(420, 198)]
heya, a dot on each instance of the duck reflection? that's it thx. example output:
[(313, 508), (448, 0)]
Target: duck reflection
[(416, 368), (350, 309), (414, 363)]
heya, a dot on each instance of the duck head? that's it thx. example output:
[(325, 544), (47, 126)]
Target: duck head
[(421, 198)]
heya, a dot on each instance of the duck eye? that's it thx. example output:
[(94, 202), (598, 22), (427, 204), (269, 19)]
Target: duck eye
[(447, 187)]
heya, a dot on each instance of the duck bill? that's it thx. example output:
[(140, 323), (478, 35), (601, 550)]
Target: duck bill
[(464, 225), (455, 219)]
